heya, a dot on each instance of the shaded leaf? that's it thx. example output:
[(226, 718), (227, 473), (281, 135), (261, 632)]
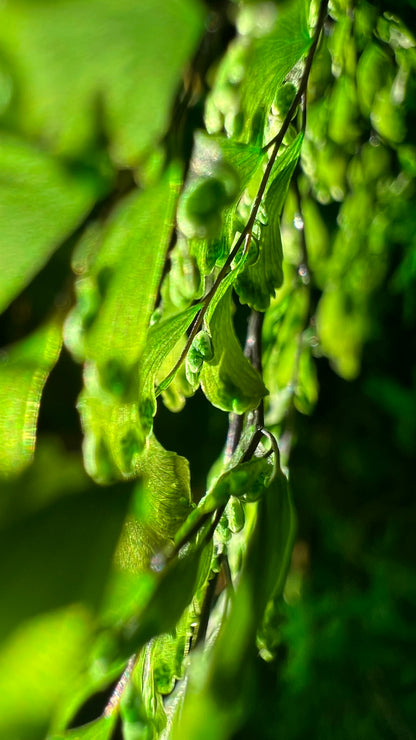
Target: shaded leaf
[(100, 729), (24, 369), (220, 688), (60, 554), (175, 586)]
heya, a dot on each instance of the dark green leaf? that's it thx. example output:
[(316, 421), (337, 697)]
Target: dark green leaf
[(174, 586), (227, 673), (60, 554)]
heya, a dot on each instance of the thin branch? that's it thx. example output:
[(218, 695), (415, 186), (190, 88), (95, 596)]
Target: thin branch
[(253, 351), (304, 79), (235, 428), (114, 701), (206, 610), (245, 235)]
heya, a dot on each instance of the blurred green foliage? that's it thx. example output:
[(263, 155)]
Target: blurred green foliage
[(229, 588)]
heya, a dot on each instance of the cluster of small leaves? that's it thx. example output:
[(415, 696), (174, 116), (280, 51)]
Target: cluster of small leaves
[(283, 209)]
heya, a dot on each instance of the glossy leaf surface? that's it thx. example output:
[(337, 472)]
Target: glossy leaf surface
[(258, 282), (270, 59), (229, 381)]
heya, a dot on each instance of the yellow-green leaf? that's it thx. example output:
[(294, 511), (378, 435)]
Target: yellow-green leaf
[(41, 203), (24, 368)]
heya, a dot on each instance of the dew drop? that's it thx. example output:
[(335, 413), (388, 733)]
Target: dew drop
[(298, 222), (303, 273), (158, 562)]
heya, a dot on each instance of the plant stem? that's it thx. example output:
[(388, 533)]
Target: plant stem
[(245, 235), (304, 79)]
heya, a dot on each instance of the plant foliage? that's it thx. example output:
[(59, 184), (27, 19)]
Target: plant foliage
[(207, 209)]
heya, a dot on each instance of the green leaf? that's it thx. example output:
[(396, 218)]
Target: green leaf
[(245, 480), (229, 381), (127, 272), (242, 158), (243, 161), (39, 666), (160, 504), (159, 508), (175, 586), (24, 369), (100, 729), (41, 204), (257, 283), (54, 472), (269, 60), (123, 279), (110, 66), (227, 673), (141, 707), (60, 554), (161, 340)]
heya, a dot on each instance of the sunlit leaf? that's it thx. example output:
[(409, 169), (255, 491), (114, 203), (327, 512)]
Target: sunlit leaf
[(159, 506), (127, 272), (123, 280), (41, 203), (242, 158), (234, 164), (87, 67), (161, 340), (39, 664), (270, 59), (257, 283), (24, 369), (141, 707), (229, 381)]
